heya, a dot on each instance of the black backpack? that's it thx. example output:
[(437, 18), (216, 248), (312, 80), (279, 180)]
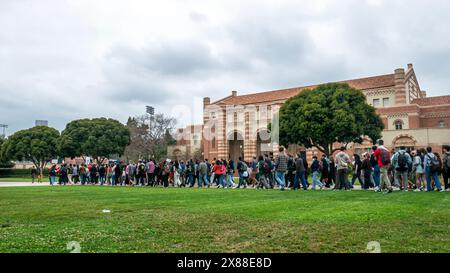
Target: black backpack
[(402, 162), (434, 163)]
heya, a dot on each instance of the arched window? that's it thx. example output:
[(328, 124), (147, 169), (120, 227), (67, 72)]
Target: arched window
[(398, 125), (441, 124)]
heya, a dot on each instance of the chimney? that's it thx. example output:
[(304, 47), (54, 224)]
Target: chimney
[(400, 88), (206, 101), (234, 93), (410, 66)]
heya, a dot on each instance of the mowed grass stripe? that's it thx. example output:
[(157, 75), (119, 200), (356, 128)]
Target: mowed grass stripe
[(44, 219)]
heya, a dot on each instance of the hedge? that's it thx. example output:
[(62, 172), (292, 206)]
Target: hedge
[(18, 172)]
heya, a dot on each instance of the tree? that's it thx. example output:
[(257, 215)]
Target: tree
[(99, 138), (149, 136), (37, 144), (4, 161), (331, 113)]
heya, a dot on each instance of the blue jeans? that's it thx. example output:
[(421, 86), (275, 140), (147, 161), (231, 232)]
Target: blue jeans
[(376, 175), (190, 179), (428, 175), (280, 179), (300, 175), (316, 180), (202, 178), (230, 181), (52, 180), (241, 179)]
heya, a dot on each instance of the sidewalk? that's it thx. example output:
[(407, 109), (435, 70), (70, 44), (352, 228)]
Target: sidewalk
[(22, 184)]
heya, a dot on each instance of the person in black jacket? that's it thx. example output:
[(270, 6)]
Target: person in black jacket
[(332, 173), (357, 171), (366, 169), (325, 171)]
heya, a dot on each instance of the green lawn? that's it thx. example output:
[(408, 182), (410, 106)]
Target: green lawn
[(44, 219)]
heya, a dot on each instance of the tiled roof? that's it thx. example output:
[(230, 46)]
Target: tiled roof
[(362, 84), (432, 101)]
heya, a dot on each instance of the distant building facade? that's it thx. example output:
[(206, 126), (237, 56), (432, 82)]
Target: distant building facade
[(236, 126), (189, 143)]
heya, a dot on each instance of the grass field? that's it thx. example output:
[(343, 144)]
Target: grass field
[(45, 219)]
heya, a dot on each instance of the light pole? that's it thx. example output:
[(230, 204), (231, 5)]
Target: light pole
[(4, 127), (151, 111)]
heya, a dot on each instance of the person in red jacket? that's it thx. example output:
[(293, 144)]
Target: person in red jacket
[(219, 172), (383, 157)]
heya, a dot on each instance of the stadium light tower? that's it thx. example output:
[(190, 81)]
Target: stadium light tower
[(151, 111), (4, 127)]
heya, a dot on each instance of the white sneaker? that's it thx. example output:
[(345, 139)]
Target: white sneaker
[(417, 190)]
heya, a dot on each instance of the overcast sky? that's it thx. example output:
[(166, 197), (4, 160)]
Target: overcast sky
[(68, 59)]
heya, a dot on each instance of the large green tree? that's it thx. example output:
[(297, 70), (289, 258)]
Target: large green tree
[(4, 161), (98, 138), (330, 113), (37, 144)]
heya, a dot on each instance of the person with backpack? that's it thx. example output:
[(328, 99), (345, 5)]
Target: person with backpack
[(401, 161), (432, 166), (376, 175), (64, 178), (383, 157), (446, 166), (230, 173), (203, 174), (300, 173), (242, 168), (263, 170), (281, 168), (290, 171)]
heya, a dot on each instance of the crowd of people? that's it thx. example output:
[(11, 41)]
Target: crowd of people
[(380, 170)]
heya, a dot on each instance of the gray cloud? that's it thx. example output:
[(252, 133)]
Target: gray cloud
[(62, 60)]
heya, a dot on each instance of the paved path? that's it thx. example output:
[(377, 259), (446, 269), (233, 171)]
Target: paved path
[(23, 184)]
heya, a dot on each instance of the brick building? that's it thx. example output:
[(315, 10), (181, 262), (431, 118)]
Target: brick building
[(189, 143), (237, 125)]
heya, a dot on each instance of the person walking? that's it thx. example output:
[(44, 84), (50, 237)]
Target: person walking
[(203, 174), (262, 170), (325, 163), (52, 174), (342, 163), (75, 174), (357, 164), (401, 161), (383, 157), (33, 174), (242, 168), (446, 166), (151, 172), (332, 174), (366, 169), (432, 166), (281, 168), (64, 178), (315, 169), (300, 174)]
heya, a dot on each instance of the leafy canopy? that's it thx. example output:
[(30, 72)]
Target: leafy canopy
[(37, 144), (99, 138), (331, 113)]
